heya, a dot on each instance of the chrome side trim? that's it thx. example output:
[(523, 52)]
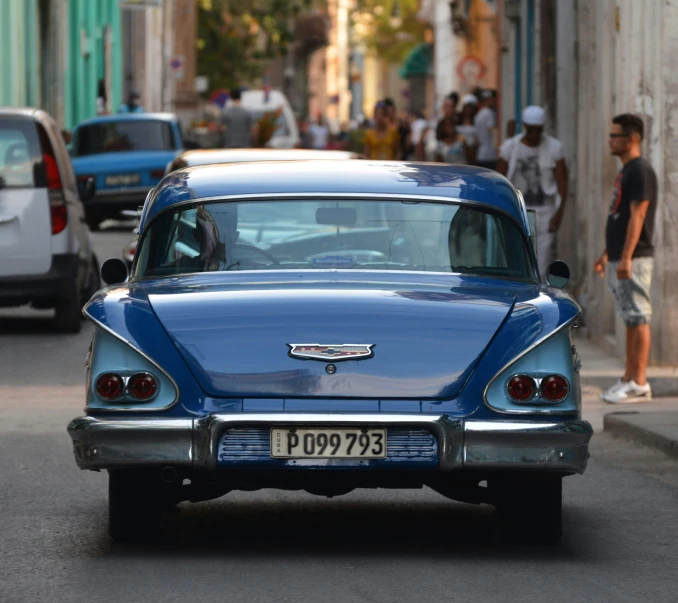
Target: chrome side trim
[(562, 447), (100, 325), (540, 411)]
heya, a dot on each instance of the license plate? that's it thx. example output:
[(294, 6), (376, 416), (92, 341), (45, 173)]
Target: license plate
[(328, 443), (123, 179)]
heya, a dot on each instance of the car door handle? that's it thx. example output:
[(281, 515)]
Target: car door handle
[(7, 219)]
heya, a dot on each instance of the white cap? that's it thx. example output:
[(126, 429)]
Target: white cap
[(533, 116), (469, 99)]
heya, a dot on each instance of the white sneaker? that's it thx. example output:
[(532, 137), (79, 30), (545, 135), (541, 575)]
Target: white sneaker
[(612, 390), (629, 393)]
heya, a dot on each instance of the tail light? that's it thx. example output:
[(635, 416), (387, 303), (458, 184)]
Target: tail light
[(157, 173), (57, 203), (110, 386), (522, 388), (554, 388), (142, 386)]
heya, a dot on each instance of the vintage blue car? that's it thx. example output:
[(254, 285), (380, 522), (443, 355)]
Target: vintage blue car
[(126, 154), (326, 326)]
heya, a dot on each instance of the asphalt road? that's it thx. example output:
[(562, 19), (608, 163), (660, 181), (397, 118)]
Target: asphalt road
[(620, 542)]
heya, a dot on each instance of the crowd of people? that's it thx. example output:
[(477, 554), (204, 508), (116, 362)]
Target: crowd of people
[(465, 133)]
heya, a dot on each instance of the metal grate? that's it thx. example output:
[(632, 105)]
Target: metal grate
[(243, 444)]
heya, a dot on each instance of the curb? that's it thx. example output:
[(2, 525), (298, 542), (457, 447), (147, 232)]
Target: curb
[(645, 429)]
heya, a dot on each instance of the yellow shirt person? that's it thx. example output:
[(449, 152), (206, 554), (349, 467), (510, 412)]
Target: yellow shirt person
[(383, 141)]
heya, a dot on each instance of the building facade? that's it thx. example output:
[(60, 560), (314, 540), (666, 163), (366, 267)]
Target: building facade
[(466, 45), (94, 59), (591, 60)]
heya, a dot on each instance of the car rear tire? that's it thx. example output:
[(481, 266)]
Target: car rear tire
[(530, 509), (67, 313), (136, 501)]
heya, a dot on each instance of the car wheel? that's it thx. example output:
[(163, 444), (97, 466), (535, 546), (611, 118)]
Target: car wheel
[(136, 501), (67, 313), (530, 509)]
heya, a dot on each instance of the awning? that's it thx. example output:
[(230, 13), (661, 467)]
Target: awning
[(418, 63)]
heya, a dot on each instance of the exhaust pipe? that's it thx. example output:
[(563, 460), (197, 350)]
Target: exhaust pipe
[(168, 475)]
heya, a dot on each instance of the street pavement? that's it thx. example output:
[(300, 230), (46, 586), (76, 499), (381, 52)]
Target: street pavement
[(620, 519)]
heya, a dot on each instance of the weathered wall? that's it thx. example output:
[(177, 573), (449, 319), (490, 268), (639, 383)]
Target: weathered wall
[(626, 62)]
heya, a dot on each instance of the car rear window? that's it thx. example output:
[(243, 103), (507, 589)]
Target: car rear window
[(20, 157), (347, 234), (119, 136)]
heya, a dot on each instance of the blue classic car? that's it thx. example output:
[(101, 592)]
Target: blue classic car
[(126, 154), (326, 326)]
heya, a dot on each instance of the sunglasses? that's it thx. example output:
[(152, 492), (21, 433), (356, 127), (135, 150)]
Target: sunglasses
[(619, 135)]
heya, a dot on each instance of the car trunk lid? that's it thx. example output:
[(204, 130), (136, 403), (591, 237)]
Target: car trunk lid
[(238, 343)]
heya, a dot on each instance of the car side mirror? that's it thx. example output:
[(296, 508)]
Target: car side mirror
[(558, 274), (114, 271), (86, 188)]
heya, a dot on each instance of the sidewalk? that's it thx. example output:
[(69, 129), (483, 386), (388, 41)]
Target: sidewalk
[(653, 424)]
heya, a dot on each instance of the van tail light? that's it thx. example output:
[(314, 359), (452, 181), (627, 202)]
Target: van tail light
[(554, 388), (57, 203), (142, 386), (109, 386), (157, 173), (522, 388)]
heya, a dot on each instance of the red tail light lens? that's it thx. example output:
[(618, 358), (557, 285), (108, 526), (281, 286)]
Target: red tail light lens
[(58, 215), (522, 388), (142, 386), (109, 386), (57, 203), (157, 173), (554, 388), (52, 172)]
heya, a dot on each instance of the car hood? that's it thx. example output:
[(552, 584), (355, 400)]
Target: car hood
[(426, 343), (126, 161)]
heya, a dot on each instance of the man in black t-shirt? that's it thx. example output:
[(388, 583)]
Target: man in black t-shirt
[(628, 257)]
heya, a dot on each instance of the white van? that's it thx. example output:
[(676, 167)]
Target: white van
[(46, 255), (258, 103)]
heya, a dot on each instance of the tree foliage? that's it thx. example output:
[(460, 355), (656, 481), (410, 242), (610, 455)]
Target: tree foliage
[(388, 27), (235, 37)]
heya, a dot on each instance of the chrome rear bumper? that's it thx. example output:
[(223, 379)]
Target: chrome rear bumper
[(562, 447)]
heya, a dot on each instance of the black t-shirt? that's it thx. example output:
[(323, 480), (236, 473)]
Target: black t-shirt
[(636, 182)]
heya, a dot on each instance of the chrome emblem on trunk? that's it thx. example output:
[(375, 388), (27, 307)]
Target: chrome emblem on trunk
[(334, 353)]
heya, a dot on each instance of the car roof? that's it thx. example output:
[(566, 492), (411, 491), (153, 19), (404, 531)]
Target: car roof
[(210, 156), (18, 111), (336, 178), (168, 117)]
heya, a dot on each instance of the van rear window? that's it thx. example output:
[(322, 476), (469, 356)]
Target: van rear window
[(20, 157)]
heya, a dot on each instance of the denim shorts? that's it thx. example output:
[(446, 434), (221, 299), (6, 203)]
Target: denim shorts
[(633, 295)]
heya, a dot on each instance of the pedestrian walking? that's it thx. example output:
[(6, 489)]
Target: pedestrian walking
[(391, 112), (320, 133), (452, 146), (534, 162), (382, 141), (133, 104), (485, 123), (469, 108), (238, 123), (627, 260)]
